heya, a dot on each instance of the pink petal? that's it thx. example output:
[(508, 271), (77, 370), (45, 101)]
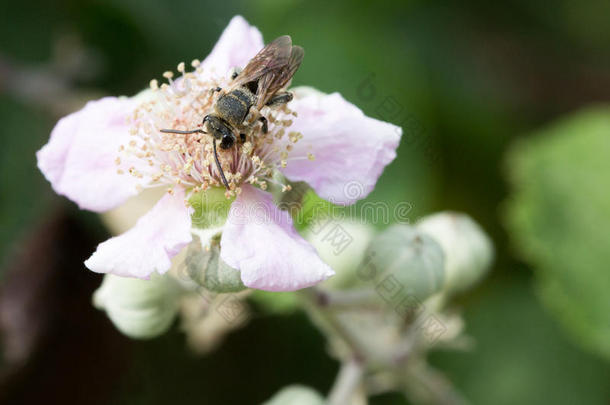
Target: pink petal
[(79, 159), (350, 149), (150, 245), (237, 45), (260, 241)]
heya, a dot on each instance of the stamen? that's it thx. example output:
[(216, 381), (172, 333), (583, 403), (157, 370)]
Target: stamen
[(187, 159)]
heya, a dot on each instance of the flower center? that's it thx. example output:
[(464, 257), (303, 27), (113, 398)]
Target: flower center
[(188, 159)]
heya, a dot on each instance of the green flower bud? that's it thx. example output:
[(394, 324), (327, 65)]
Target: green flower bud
[(206, 268), (141, 309), (342, 245), (403, 263), (296, 395), (468, 250)]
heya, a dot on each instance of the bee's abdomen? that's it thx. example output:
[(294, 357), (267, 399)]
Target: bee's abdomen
[(234, 106)]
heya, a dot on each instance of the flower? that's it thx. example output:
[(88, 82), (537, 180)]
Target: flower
[(113, 148)]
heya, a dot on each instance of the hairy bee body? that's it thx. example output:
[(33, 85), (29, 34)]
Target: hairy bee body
[(233, 107), (261, 83)]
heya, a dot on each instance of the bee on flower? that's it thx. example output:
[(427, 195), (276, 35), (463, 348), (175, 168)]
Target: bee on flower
[(116, 147)]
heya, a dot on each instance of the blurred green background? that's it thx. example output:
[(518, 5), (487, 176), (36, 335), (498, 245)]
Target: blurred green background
[(466, 80)]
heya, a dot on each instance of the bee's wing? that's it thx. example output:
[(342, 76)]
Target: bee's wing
[(271, 58), (270, 83)]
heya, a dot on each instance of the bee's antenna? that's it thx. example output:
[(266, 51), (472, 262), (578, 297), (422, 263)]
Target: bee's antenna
[(222, 173), (177, 131)]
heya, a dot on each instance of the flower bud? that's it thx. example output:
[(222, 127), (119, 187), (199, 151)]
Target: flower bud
[(341, 244), (296, 395), (141, 309), (402, 262), (206, 268), (468, 250)]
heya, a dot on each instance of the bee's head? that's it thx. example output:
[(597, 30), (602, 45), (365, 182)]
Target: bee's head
[(220, 130)]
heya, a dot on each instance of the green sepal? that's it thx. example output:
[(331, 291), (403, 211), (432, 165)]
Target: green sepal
[(210, 208), (206, 268)]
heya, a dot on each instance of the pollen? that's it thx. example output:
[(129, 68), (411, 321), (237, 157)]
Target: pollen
[(188, 159), (295, 136)]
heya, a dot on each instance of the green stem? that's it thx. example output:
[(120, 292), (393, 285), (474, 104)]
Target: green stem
[(317, 307)]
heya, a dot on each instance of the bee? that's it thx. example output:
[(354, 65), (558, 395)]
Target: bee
[(261, 83)]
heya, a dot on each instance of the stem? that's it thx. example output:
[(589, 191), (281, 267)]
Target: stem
[(426, 385), (347, 382), (365, 298), (352, 370), (316, 305)]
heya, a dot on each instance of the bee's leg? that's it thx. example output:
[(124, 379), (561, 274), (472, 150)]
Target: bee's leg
[(280, 98), (265, 124), (242, 137), (215, 89)]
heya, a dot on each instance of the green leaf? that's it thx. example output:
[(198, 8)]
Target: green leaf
[(559, 218)]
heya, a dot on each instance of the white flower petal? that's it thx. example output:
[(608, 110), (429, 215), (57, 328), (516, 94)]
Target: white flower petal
[(80, 158), (238, 43), (150, 245), (260, 241), (350, 150)]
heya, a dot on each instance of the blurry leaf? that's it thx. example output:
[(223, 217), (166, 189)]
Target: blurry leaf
[(559, 215), (520, 356)]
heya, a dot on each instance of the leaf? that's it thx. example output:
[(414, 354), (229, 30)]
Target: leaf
[(559, 219)]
